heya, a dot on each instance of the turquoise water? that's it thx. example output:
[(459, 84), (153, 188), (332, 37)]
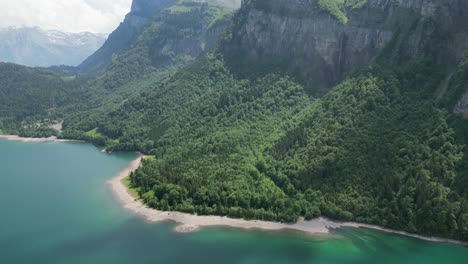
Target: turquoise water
[(55, 207)]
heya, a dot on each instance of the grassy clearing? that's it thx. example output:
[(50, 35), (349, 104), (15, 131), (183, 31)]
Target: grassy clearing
[(150, 158), (93, 133), (134, 191), (337, 7)]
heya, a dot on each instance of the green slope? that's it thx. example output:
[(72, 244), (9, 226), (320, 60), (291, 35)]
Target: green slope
[(31, 95), (175, 38), (380, 152), (374, 150)]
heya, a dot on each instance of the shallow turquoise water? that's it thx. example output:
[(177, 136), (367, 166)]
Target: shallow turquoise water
[(55, 207)]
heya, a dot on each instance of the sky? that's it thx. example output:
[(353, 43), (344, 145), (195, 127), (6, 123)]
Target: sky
[(97, 16)]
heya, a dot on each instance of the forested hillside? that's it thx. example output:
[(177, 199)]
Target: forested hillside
[(380, 152), (31, 95), (375, 149), (291, 109), (176, 37)]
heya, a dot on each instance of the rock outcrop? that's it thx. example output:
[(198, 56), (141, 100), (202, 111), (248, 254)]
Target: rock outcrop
[(462, 105)]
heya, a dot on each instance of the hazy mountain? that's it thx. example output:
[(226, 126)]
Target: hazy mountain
[(37, 47)]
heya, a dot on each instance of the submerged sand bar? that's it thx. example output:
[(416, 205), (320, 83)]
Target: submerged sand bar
[(23, 139), (190, 223)]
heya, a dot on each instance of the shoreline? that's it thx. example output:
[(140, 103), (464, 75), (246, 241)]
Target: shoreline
[(187, 223), (24, 139)]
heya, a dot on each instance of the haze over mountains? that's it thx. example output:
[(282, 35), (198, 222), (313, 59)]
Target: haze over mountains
[(32, 46), (283, 109)]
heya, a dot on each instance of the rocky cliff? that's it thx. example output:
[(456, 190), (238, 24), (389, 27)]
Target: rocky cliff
[(312, 44), (462, 105), (459, 85)]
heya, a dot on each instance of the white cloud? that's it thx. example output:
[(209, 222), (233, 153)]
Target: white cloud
[(99, 16)]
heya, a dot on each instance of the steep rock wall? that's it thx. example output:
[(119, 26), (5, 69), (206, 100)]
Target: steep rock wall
[(306, 41)]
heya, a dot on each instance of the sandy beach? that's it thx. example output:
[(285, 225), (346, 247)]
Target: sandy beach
[(22, 139), (190, 223)]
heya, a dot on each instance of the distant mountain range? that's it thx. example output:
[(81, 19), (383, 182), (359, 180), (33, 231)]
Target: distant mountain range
[(32, 46)]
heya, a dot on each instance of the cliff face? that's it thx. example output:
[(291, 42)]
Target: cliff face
[(305, 40)]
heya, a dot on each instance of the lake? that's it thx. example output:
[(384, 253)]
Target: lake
[(55, 207)]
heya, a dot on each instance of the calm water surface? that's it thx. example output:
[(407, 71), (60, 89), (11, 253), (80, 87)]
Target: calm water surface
[(55, 207)]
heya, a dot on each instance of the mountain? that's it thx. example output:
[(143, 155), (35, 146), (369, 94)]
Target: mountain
[(351, 110), (37, 47), (140, 17), (233, 135), (320, 45), (176, 37), (29, 96), (127, 32)]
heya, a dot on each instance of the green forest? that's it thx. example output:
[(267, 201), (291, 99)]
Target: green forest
[(382, 147), (375, 149), (30, 96)]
